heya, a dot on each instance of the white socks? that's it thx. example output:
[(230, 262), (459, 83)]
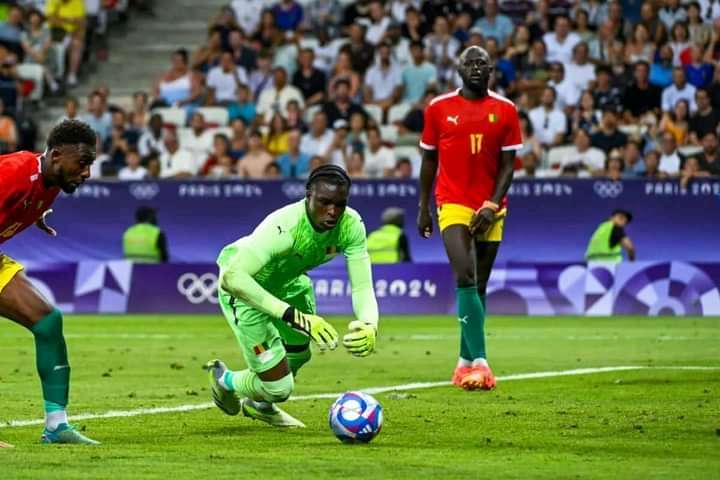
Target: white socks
[(54, 419)]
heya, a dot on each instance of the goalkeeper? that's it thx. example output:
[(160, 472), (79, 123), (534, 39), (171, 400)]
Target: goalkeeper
[(269, 303)]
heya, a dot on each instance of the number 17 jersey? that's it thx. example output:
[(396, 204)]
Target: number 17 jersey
[(469, 136)]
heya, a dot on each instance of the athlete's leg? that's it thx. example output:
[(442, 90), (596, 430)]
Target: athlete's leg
[(485, 254), (22, 303)]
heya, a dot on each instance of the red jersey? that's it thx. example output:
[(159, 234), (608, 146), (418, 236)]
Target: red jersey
[(23, 196), (469, 136)]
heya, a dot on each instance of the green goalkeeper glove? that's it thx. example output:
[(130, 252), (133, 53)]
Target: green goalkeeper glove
[(314, 326), (360, 341)]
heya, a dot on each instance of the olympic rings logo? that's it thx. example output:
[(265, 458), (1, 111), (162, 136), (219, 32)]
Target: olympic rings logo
[(608, 189), (198, 289), (293, 190), (144, 191)]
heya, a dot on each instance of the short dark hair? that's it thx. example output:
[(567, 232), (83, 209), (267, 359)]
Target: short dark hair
[(145, 214), (340, 81), (182, 53), (71, 132), (329, 174)]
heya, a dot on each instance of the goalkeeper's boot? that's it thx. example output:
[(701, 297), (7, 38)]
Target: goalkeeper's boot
[(65, 433), (269, 413), (459, 373), (225, 400), (478, 378)]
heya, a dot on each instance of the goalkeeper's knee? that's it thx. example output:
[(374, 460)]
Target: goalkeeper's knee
[(278, 390)]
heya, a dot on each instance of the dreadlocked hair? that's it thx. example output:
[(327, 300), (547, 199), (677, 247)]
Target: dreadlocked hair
[(71, 132), (330, 174)]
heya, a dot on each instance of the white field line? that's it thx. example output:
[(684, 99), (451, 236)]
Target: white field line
[(372, 390)]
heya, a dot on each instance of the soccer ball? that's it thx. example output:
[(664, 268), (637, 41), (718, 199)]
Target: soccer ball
[(355, 417)]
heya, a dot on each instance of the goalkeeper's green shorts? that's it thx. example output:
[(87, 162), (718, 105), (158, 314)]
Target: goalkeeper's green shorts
[(262, 338)]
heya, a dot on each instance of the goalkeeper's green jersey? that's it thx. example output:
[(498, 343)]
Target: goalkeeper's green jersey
[(263, 267)]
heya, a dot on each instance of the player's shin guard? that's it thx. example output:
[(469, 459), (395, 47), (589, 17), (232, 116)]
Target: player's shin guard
[(51, 359), (471, 315), (297, 355)]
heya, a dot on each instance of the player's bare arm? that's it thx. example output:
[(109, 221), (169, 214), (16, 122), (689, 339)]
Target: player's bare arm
[(428, 170)]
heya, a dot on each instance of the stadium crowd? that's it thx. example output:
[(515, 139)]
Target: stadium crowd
[(614, 89)]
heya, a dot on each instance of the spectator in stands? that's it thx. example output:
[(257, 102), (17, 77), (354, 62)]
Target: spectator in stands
[(272, 171), (288, 15), (652, 166), (67, 19), (419, 76), (641, 96), (199, 141), (267, 34), (11, 30), (549, 123), (691, 169), (700, 32), (176, 161), (632, 159), (670, 158), (326, 51), (72, 110), (243, 55), (442, 49), (262, 77), (608, 137), (495, 24), (322, 14), (8, 131), (294, 163), (140, 112), (152, 141), (605, 93), (679, 42), (275, 98), (224, 80), (705, 119), (356, 166), (154, 167), (639, 48), (379, 159), (253, 164), (97, 117), (583, 156), (341, 106), (601, 46), (219, 164), (238, 139), (530, 141), (519, 48), (699, 73), (120, 141), (672, 13), (208, 55), (414, 119), (652, 22), (338, 151), (133, 170), (676, 122), (567, 90), (173, 86), (360, 52), (586, 116), (679, 90), (709, 160), (414, 28), (224, 22), (383, 81), (294, 116), (580, 71), (614, 166), (247, 13), (144, 242), (310, 80), (276, 139), (36, 43), (243, 108), (285, 52), (561, 41), (403, 168), (529, 168), (377, 23), (318, 139), (661, 71), (344, 72)]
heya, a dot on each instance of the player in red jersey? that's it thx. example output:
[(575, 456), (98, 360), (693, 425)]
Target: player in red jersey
[(469, 141), (29, 184)]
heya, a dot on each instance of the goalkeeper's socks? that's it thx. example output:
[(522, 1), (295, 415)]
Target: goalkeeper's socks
[(225, 379), (480, 362), (471, 315), (55, 415)]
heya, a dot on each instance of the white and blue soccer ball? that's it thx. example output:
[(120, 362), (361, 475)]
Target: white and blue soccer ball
[(356, 417)]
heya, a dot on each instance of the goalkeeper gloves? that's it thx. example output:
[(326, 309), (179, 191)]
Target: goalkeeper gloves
[(315, 327), (360, 340)]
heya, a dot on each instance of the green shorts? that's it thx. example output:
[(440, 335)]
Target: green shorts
[(262, 338)]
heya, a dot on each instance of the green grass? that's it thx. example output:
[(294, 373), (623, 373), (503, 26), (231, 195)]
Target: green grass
[(650, 423)]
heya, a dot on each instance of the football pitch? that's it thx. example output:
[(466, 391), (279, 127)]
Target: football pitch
[(138, 384)]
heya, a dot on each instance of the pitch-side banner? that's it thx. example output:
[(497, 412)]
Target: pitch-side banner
[(548, 220), (643, 288)]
